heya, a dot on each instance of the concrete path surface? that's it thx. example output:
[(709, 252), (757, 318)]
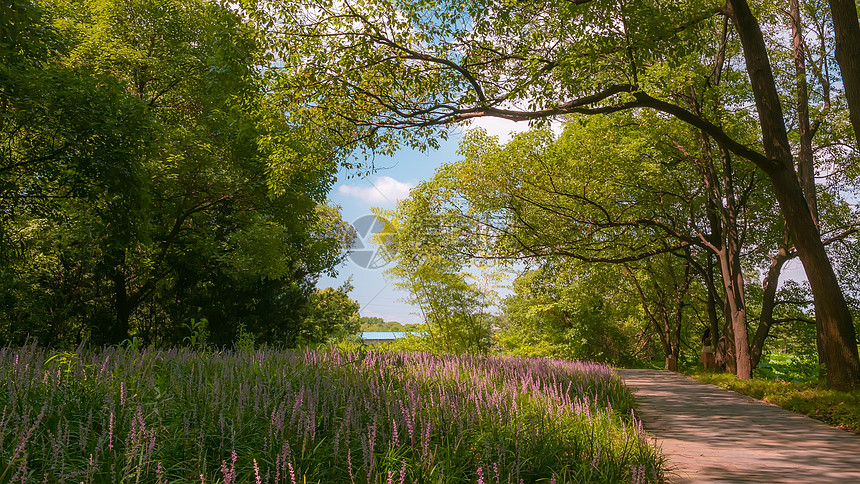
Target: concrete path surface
[(710, 434)]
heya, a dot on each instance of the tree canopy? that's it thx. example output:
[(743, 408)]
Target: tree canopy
[(148, 176), (401, 71), (167, 161)]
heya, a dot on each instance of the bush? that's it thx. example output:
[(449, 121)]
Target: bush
[(793, 368)]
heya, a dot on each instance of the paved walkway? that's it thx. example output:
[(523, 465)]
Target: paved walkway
[(709, 434)]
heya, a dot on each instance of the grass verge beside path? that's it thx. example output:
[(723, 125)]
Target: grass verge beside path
[(839, 409)]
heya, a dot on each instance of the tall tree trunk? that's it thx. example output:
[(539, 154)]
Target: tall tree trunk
[(678, 315), (838, 337), (724, 242), (676, 346), (737, 337), (833, 318), (728, 339), (665, 331), (768, 300), (733, 275), (658, 315), (847, 32), (805, 162), (713, 320)]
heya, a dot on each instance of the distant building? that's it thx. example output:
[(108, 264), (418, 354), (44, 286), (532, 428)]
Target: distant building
[(377, 337)]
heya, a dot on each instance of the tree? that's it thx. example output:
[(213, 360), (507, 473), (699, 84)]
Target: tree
[(665, 195), (331, 315), (149, 177), (847, 34), (565, 308), (72, 138), (836, 330), (663, 284), (455, 310), (400, 70), (371, 323), (649, 204)]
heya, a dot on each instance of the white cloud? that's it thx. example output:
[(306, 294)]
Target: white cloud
[(382, 189), (505, 129)]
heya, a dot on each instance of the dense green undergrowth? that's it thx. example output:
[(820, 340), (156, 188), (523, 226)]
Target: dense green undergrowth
[(324, 416), (840, 409)]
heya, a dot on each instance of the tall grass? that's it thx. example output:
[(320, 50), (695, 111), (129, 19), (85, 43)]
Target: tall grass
[(120, 416)]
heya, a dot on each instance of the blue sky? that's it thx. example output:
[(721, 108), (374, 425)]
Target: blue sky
[(356, 196), (394, 177)]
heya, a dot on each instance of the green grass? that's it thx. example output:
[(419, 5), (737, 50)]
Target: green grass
[(840, 409)]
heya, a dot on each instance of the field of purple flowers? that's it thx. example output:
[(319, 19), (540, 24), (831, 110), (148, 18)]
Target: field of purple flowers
[(309, 416)]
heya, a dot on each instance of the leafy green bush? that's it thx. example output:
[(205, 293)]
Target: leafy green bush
[(793, 368)]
